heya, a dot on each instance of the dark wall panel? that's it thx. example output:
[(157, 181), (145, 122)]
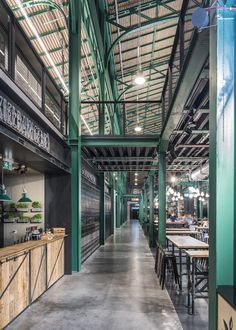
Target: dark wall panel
[(90, 199), (108, 216), (58, 209)]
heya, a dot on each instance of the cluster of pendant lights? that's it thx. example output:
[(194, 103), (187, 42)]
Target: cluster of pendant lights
[(4, 197), (193, 193), (175, 195)]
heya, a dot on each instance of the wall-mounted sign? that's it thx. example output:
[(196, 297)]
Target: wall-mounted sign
[(22, 124), (89, 176)]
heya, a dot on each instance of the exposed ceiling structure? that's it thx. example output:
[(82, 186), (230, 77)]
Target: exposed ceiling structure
[(145, 37), (145, 30)]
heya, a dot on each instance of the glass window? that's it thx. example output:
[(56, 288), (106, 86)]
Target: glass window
[(3, 50), (27, 80), (52, 110)]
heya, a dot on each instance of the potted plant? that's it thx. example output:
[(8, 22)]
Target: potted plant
[(37, 218), (22, 207), (36, 207), (9, 218), (11, 207), (23, 219)]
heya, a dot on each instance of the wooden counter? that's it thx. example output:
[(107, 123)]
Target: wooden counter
[(26, 271)]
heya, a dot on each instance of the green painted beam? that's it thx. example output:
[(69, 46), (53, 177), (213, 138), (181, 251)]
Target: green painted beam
[(120, 141), (47, 33), (133, 29), (196, 58), (135, 9)]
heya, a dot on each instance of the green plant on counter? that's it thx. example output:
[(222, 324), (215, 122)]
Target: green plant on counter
[(9, 217), (23, 219), (37, 218), (36, 205), (10, 207), (22, 206)]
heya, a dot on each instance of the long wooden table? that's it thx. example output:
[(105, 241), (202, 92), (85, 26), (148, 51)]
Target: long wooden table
[(193, 255), (184, 243), (26, 271), (182, 232)]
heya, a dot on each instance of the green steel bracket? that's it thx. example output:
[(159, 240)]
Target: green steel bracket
[(145, 25), (49, 3)]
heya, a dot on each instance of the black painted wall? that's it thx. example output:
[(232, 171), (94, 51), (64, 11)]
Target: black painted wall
[(58, 209), (90, 208), (108, 215)]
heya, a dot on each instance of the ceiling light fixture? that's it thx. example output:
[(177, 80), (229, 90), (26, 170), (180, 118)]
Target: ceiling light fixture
[(138, 128), (136, 173), (139, 79)]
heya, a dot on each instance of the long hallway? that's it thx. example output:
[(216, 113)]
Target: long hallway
[(116, 289)]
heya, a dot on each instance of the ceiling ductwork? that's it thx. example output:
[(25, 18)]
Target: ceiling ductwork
[(200, 173)]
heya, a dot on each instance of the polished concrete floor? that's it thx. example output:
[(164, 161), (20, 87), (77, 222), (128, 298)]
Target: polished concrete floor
[(116, 289)]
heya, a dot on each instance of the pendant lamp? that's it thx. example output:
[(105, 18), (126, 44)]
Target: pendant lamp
[(3, 193), (24, 198)]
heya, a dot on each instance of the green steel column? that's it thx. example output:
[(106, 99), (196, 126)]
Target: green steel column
[(112, 204), (162, 199), (151, 211), (118, 209), (101, 113), (222, 183), (145, 208), (141, 209), (102, 209), (200, 209), (75, 128)]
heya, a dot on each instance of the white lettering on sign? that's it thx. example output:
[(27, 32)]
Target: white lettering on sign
[(12, 117)]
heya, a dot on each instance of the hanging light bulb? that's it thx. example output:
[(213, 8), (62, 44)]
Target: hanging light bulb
[(202, 194), (138, 128), (207, 195), (181, 198), (139, 79), (136, 173), (3, 194)]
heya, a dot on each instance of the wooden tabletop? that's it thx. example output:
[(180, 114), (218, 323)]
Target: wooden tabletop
[(187, 242), (182, 232), (198, 253), (18, 249)]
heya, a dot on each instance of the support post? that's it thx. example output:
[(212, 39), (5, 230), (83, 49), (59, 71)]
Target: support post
[(151, 211), (75, 128), (162, 198), (222, 180), (118, 209), (102, 209)]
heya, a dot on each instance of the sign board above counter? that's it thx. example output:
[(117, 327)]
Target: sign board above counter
[(20, 122)]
